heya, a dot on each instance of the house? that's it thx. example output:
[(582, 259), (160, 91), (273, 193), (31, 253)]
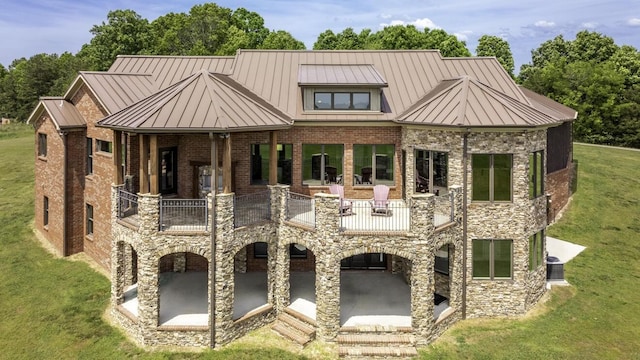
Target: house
[(202, 185)]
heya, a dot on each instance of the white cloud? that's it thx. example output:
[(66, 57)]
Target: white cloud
[(634, 22), (385, 16), (544, 24), (589, 25), (419, 23), (463, 35)]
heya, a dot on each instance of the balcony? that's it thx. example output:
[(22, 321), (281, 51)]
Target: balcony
[(279, 206)]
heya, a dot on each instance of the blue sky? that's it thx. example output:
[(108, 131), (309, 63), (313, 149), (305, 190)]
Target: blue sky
[(29, 27)]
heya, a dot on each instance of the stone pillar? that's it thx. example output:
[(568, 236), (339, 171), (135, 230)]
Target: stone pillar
[(279, 195), (328, 266), (117, 270), (149, 215), (148, 295), (223, 262), (179, 262), (282, 284), (422, 288), (422, 210)]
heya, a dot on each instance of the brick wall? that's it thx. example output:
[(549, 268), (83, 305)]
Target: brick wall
[(76, 169), (558, 186)]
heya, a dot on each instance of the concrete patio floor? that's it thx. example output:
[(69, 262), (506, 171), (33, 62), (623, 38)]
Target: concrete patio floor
[(368, 297)]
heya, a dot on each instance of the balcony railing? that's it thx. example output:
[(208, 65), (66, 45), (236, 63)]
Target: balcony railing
[(184, 215), (251, 209), (363, 217), (127, 206), (444, 211), (301, 210)]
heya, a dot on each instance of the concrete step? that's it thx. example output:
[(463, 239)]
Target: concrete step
[(295, 327), (368, 352), (376, 339)]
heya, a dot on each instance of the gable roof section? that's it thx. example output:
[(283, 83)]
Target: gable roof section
[(202, 102), (466, 102), (114, 91), (168, 70), (548, 106), (63, 114), (340, 75)]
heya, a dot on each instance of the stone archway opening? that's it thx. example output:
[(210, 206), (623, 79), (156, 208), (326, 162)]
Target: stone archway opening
[(129, 281), (375, 290), (183, 290), (250, 278), (442, 275), (302, 280)]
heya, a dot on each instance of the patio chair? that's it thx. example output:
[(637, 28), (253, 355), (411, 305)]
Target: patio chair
[(345, 205), (380, 202)]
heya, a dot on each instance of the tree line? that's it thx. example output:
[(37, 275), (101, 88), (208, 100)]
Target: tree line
[(590, 74)]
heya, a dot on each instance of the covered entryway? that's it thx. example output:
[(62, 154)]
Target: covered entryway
[(183, 289)]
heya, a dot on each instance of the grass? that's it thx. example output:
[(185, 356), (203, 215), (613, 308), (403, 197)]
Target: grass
[(52, 308)]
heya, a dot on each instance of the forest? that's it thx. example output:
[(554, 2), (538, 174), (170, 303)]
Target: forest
[(591, 73)]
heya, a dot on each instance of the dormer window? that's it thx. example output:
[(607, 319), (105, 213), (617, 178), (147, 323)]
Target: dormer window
[(350, 87), (341, 101)]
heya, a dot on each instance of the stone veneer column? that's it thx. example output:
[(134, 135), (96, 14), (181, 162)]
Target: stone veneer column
[(117, 261), (279, 274), (223, 261), (328, 266), (148, 292)]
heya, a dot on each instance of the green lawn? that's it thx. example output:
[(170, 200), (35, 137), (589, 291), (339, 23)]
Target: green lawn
[(53, 308)]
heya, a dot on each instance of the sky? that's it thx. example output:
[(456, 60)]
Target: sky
[(29, 27)]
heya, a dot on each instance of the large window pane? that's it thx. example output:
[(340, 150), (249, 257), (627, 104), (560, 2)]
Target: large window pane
[(532, 252), (322, 101), (442, 260), (440, 173), (366, 172), (260, 154), (342, 101), (321, 164), (361, 101), (362, 164), (384, 164), (539, 173), (502, 259), (502, 177), (481, 258), (481, 164)]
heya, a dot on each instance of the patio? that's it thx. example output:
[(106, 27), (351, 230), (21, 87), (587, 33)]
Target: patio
[(368, 297)]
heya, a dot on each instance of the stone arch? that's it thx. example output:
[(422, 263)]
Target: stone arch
[(204, 252)]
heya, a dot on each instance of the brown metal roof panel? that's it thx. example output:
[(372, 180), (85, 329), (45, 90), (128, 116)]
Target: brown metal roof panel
[(347, 74), (63, 113), (549, 106)]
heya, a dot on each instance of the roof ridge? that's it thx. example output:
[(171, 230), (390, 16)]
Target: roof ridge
[(462, 111), (422, 102)]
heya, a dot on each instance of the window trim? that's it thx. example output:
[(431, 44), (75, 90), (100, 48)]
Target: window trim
[(89, 220), (42, 145), (536, 250), (89, 158), (492, 179), (536, 186), (100, 144), (491, 260), (45, 211)]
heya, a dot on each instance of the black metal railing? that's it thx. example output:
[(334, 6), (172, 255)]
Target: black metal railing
[(367, 216), (184, 215), (127, 205), (252, 208), (300, 209)]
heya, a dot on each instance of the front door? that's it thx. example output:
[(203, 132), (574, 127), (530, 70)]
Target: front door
[(168, 171)]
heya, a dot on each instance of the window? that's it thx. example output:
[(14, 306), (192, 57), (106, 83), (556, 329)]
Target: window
[(89, 216), (168, 170), (536, 250), (260, 163), (322, 164), (536, 174), (431, 171), (45, 211), (442, 260), (297, 251), (492, 259), (89, 156), (260, 250), (104, 146), (42, 145), (364, 172), (491, 177), (342, 101)]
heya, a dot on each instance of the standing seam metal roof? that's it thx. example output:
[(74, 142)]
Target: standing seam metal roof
[(63, 113)]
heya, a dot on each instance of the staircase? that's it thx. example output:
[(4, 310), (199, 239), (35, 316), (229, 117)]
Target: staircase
[(295, 326), (376, 342)]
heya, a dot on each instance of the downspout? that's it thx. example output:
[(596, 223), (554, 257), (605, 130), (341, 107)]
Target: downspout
[(465, 143), (214, 190), (63, 134)]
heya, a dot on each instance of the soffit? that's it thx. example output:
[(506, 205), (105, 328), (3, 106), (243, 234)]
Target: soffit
[(340, 75), (202, 102)]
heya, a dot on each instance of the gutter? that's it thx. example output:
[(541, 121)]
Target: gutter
[(465, 143), (214, 190)]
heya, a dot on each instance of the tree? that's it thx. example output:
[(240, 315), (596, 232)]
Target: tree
[(281, 40), (495, 46), (124, 33)]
